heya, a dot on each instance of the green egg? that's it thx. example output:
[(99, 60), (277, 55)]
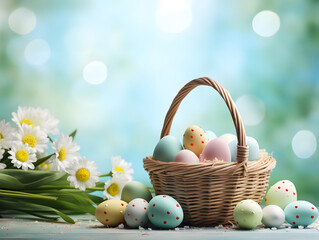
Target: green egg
[(166, 149), (134, 190), (248, 214)]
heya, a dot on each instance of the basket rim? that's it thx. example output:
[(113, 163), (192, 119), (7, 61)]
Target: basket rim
[(215, 168)]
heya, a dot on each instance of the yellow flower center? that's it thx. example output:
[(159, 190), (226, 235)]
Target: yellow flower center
[(62, 154), (118, 169), (22, 155), (27, 121), (1, 136), (113, 189), (44, 166), (30, 140), (82, 174)]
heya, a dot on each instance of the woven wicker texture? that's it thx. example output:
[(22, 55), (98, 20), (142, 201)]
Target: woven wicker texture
[(208, 192)]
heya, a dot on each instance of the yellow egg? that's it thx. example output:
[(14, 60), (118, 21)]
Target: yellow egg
[(111, 212), (195, 139)]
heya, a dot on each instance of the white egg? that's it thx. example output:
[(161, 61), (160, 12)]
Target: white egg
[(135, 213), (228, 137), (273, 216)]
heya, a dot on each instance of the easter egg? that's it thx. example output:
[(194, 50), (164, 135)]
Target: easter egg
[(111, 212), (134, 190), (253, 149), (216, 148), (281, 194), (301, 213), (165, 212), (247, 214), (273, 216), (135, 213), (166, 149), (195, 139), (186, 156), (211, 135), (228, 137)]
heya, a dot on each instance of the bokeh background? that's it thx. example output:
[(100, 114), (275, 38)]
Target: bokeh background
[(112, 68)]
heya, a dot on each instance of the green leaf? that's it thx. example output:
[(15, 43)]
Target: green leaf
[(65, 217), (9, 182), (41, 160), (73, 134)]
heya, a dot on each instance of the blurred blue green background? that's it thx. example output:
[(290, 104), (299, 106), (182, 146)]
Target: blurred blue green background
[(112, 68)]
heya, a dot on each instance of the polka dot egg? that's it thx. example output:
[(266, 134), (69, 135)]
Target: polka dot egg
[(111, 212), (281, 194), (301, 213), (135, 213), (247, 214), (195, 139), (165, 212)]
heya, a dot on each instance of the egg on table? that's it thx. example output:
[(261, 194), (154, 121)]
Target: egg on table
[(216, 149), (253, 149), (134, 189), (186, 156), (165, 212), (281, 194), (247, 214), (228, 137), (301, 213), (111, 212), (273, 216), (135, 213), (195, 139), (166, 149)]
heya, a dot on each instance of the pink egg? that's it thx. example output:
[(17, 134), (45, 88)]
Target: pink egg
[(216, 148), (186, 156)]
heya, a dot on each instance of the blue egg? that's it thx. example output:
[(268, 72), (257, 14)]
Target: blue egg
[(165, 212), (253, 149), (301, 213), (166, 149), (211, 135)]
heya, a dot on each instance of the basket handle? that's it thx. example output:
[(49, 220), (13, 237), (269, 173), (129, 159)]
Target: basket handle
[(242, 148)]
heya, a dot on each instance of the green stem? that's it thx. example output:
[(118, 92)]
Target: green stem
[(107, 174), (41, 216), (68, 187), (19, 194)]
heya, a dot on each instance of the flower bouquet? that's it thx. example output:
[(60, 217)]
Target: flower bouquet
[(43, 184)]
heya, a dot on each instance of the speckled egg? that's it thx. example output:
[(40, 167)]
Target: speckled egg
[(301, 213), (134, 190), (165, 212), (111, 212), (186, 156), (135, 213), (195, 139), (281, 194), (253, 149), (248, 214), (228, 137), (216, 148), (273, 216), (166, 149), (211, 135)]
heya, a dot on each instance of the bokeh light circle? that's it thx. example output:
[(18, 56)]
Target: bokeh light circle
[(37, 52), (22, 21), (266, 23), (252, 109), (174, 16), (95, 72), (304, 144)]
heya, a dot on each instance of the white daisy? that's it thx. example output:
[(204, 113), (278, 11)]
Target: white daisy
[(45, 166), (22, 156), (32, 136), (113, 187), (83, 174), (36, 117), (6, 132), (2, 165), (65, 152), (120, 166)]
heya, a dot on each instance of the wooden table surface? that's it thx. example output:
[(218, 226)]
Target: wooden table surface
[(86, 227)]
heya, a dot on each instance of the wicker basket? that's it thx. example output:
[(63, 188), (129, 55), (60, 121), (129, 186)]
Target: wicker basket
[(208, 192)]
